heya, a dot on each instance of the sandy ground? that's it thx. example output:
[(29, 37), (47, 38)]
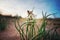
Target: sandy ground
[(10, 33)]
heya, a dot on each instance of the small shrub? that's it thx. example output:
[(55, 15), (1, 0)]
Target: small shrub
[(3, 24)]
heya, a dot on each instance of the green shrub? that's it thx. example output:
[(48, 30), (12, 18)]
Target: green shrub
[(3, 24)]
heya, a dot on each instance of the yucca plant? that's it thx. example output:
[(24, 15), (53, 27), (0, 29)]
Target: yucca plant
[(31, 31)]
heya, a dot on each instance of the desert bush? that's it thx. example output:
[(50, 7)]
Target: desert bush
[(3, 24)]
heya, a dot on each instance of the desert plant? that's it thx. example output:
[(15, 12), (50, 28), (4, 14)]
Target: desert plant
[(30, 28), (42, 34), (3, 23), (31, 31), (54, 35)]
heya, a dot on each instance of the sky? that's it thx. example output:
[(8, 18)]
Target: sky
[(20, 7)]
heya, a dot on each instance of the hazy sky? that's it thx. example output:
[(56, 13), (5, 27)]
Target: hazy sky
[(20, 7)]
